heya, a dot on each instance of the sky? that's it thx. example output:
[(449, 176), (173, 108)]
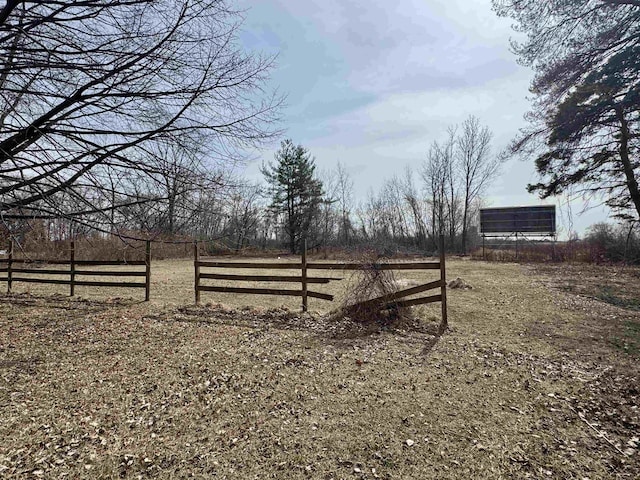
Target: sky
[(373, 84)]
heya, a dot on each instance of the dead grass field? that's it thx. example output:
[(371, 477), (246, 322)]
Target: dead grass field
[(533, 380)]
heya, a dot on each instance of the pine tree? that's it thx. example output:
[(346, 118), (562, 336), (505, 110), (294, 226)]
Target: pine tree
[(584, 128), (295, 191)]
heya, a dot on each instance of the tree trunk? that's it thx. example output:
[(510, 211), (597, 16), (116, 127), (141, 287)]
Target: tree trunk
[(465, 216), (632, 183)]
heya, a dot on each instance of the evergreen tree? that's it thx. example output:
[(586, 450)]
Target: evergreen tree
[(295, 191), (585, 125), (593, 136)]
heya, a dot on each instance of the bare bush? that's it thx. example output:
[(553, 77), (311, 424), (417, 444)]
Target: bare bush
[(34, 242), (365, 301), (574, 251)]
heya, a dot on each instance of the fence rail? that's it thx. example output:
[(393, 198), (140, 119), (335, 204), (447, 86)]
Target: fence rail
[(40, 261), (15, 270), (379, 266), (385, 301), (25, 267)]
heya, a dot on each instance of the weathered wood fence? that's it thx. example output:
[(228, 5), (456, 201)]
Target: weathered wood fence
[(304, 280), (76, 268)]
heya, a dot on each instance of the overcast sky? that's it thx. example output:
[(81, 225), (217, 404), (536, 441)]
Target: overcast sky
[(373, 84)]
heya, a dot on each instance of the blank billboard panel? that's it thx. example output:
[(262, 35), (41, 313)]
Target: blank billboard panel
[(533, 220)]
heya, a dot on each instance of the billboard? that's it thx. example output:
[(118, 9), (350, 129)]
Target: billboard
[(538, 220)]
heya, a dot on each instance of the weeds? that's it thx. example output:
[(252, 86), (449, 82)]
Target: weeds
[(608, 295), (543, 252), (629, 342)]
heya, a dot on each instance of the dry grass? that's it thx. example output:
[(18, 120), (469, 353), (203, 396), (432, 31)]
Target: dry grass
[(110, 389)]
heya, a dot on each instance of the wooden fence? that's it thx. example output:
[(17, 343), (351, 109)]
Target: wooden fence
[(76, 268), (385, 301)]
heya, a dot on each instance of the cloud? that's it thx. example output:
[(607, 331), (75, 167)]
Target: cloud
[(410, 44), (425, 115), (374, 84)]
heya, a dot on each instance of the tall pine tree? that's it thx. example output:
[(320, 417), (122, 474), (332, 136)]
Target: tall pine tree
[(295, 191), (584, 131)]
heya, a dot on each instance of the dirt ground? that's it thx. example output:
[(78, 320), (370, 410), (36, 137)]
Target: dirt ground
[(537, 377)]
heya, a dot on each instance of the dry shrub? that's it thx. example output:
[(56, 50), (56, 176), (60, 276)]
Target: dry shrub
[(543, 252), (35, 244), (460, 284), (347, 253), (371, 283)]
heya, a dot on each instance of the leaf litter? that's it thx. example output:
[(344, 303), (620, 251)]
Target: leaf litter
[(119, 389)]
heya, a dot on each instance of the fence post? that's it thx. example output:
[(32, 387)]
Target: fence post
[(147, 279), (9, 265), (443, 286), (196, 266), (304, 275), (72, 283)]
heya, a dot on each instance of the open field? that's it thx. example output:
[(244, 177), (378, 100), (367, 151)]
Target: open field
[(538, 377)]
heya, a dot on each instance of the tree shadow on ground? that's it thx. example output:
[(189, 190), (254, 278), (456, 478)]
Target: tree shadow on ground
[(60, 301), (336, 329), (333, 328)]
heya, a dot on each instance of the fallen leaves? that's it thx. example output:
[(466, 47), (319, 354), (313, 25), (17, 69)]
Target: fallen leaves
[(115, 389)]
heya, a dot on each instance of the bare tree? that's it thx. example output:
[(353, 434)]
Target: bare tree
[(325, 224), (477, 167), (441, 186), (369, 216), (244, 215), (416, 208), (344, 193), (395, 214), (452, 183), (88, 89), (434, 177)]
